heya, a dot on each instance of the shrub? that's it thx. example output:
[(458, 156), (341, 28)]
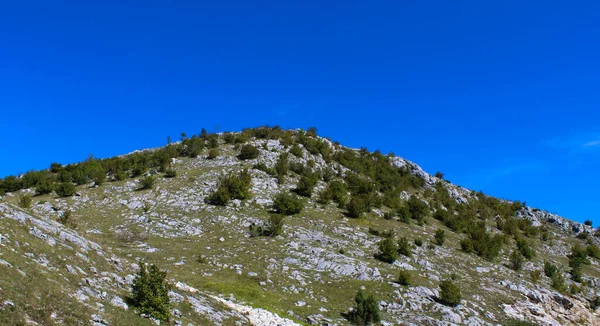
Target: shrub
[(170, 173), (595, 303), (515, 260), (558, 282), (440, 237), (220, 197), (577, 258), (25, 201), (306, 184), (263, 167), (549, 269), (65, 189), (388, 252), (356, 206), (524, 248), (67, 219), (588, 222), (482, 243), (213, 153), (439, 175), (150, 293), (535, 276), (146, 183), (418, 242), (248, 152), (404, 247), (296, 151), (287, 204), (282, 167), (593, 251), (417, 208), (275, 225), (366, 311), (403, 277), (449, 293)]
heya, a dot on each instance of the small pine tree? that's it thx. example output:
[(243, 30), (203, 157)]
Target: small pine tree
[(388, 251), (558, 282), (213, 153), (404, 247), (549, 269), (170, 173), (275, 225), (440, 237), (146, 183), (535, 276), (403, 277), (65, 189), (366, 311), (248, 152), (287, 204), (150, 293), (356, 206), (25, 201), (450, 293), (516, 260)]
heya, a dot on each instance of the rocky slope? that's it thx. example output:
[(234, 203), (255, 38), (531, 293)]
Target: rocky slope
[(80, 274)]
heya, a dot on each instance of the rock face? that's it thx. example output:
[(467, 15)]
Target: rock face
[(309, 274)]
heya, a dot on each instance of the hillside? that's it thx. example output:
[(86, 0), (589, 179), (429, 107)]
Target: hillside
[(202, 209)]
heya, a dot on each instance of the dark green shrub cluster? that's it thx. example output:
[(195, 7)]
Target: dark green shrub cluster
[(417, 209), (536, 276), (366, 311), (357, 206), (404, 247), (388, 251), (170, 173), (273, 228), (296, 151), (306, 184), (150, 293), (440, 237), (67, 219), (65, 189), (231, 186), (450, 294), (524, 248), (418, 242), (595, 303), (515, 260), (481, 242), (24, 201), (557, 281), (213, 153), (146, 183), (403, 277), (282, 167), (336, 191), (383, 234), (593, 251), (248, 152), (577, 258), (287, 204), (550, 269)]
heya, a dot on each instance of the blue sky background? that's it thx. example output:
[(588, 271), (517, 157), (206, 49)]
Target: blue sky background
[(501, 96)]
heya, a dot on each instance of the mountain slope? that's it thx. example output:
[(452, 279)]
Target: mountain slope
[(224, 272)]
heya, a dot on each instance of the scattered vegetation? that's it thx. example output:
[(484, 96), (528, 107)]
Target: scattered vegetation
[(366, 311)]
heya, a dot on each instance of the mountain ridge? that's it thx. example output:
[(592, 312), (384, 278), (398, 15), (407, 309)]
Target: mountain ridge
[(323, 242)]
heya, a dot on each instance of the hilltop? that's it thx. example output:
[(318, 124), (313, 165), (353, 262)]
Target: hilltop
[(284, 227)]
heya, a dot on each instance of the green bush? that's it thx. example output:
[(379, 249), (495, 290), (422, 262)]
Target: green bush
[(44, 187), (366, 311), (449, 293), (593, 251), (440, 237), (403, 277), (417, 209), (296, 151), (536, 276), (65, 189), (549, 269), (231, 186), (524, 248), (418, 242), (357, 206), (213, 153), (25, 200), (170, 173), (275, 225), (515, 260), (482, 243), (146, 183), (595, 303), (220, 197), (588, 222), (404, 247), (282, 167), (577, 258), (287, 204), (306, 184), (439, 175), (558, 282), (67, 219), (150, 293), (248, 152), (388, 251)]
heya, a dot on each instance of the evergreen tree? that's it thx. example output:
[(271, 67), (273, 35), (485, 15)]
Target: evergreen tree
[(150, 293), (366, 311)]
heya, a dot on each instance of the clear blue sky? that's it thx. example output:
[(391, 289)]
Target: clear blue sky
[(501, 96)]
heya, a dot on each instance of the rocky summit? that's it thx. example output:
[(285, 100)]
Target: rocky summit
[(282, 227)]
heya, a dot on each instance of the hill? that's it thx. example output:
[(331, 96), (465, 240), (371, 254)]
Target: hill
[(283, 227)]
